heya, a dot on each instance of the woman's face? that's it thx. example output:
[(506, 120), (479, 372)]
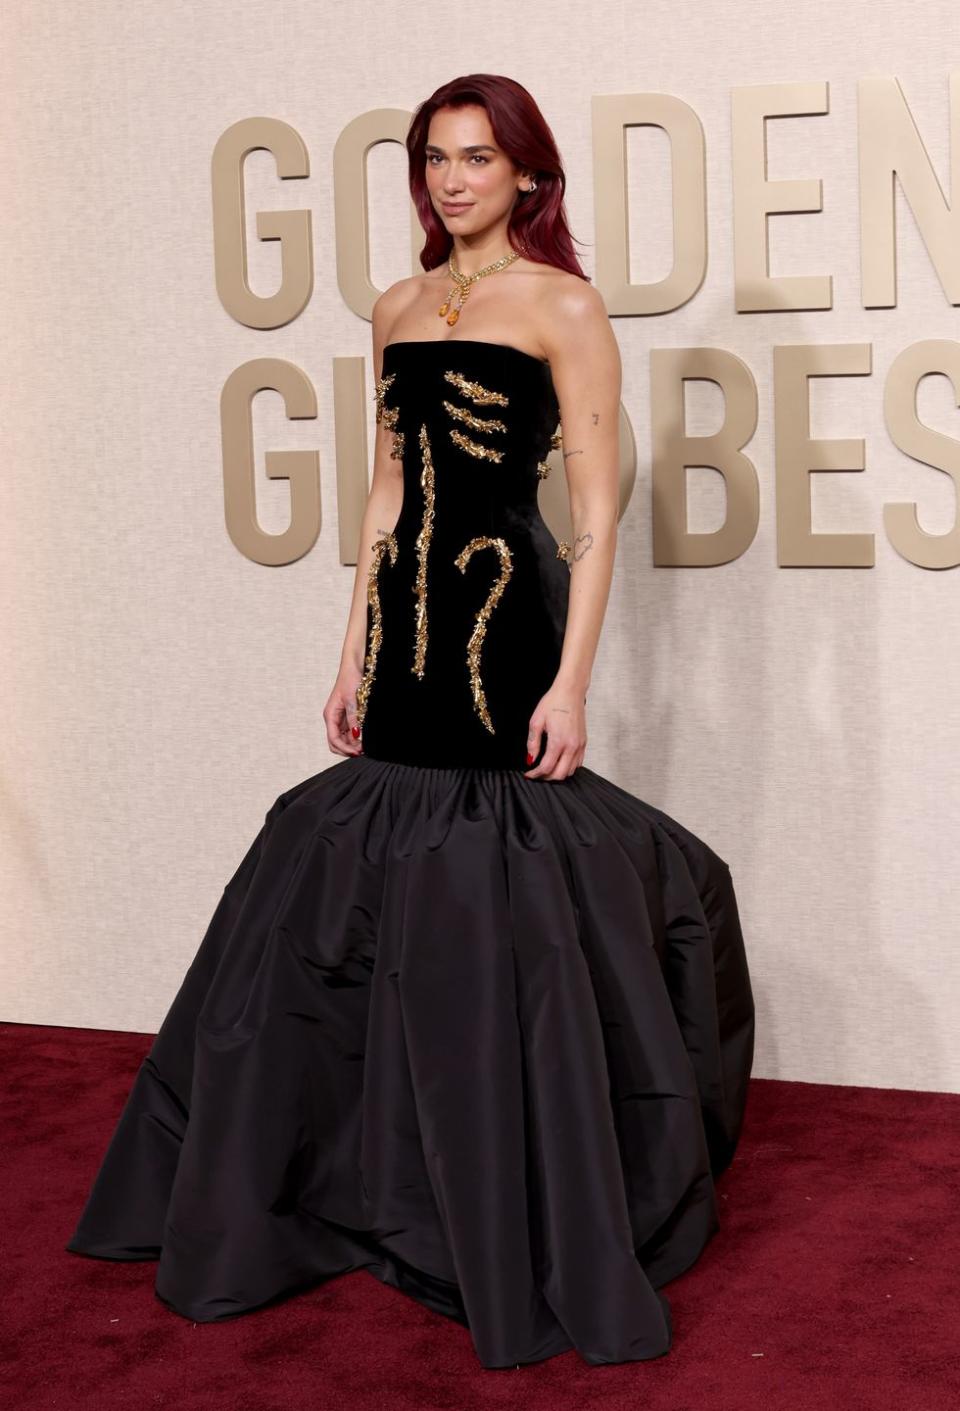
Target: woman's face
[(465, 168)]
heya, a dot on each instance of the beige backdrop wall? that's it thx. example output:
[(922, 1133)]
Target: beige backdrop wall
[(160, 689)]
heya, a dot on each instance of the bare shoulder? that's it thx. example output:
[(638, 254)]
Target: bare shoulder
[(576, 333), (392, 302), (569, 311)]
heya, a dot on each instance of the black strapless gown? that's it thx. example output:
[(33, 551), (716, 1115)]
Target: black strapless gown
[(485, 1036)]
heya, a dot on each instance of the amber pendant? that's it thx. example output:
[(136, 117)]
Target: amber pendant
[(452, 318)]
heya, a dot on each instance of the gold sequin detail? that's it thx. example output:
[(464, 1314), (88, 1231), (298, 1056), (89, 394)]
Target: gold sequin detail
[(474, 448), (481, 395), (423, 546), (543, 468), (478, 423), (483, 541), (389, 415), (383, 385), (563, 550), (384, 545)]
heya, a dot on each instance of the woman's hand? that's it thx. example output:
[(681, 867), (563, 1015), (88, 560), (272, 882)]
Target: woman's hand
[(562, 714), (340, 713)]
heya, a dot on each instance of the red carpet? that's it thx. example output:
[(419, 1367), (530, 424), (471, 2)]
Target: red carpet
[(833, 1283)]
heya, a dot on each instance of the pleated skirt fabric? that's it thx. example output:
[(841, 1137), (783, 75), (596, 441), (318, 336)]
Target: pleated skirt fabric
[(486, 1037)]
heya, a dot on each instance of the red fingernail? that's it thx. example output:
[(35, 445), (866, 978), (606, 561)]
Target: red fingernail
[(529, 757), (355, 732)]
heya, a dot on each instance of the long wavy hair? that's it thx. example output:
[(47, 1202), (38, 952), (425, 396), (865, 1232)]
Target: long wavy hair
[(538, 223)]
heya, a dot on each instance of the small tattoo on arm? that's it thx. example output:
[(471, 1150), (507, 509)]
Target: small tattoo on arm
[(586, 540), (572, 453), (596, 418)]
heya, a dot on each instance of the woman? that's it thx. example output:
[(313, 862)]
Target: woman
[(468, 1015)]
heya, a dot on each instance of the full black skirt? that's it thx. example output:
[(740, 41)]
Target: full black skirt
[(485, 1036)]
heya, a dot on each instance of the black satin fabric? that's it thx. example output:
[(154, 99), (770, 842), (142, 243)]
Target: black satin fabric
[(486, 1036)]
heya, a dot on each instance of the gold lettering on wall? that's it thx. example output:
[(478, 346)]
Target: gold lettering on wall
[(674, 451), (292, 228), (797, 455), (612, 115), (890, 146), (301, 468), (891, 149), (925, 445), (352, 455), (351, 206), (756, 198)]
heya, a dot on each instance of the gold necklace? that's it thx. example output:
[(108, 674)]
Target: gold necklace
[(462, 282)]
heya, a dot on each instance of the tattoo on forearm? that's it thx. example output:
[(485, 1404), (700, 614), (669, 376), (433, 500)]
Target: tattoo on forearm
[(577, 452), (586, 540), (596, 418)]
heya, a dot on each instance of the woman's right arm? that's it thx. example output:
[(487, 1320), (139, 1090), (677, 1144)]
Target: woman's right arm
[(379, 517)]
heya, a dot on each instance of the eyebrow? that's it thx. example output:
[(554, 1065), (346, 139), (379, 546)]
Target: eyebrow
[(478, 147)]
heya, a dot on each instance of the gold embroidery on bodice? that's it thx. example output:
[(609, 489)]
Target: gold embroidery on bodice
[(423, 548), (386, 544), (478, 395), (389, 415), (483, 541)]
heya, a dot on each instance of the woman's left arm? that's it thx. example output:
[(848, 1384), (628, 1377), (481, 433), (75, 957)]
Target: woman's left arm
[(585, 365)]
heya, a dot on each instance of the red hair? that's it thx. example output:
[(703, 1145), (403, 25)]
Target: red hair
[(538, 224)]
